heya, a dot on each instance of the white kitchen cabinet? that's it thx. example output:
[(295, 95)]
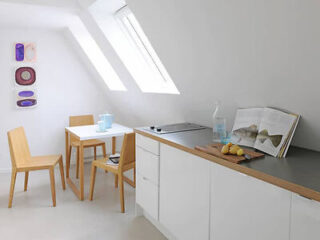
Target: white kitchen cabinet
[(245, 208), (147, 178), (184, 194), (305, 218)]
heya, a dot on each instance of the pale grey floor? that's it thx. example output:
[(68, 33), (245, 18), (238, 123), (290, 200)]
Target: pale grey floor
[(33, 217)]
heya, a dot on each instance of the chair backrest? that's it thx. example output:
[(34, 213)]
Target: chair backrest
[(128, 150), (19, 148), (80, 121)]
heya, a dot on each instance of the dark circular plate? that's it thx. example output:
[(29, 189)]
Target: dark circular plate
[(25, 76)]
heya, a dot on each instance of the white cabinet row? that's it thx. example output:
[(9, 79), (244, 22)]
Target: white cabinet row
[(193, 198)]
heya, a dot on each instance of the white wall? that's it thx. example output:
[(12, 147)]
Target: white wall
[(246, 53), (65, 88)]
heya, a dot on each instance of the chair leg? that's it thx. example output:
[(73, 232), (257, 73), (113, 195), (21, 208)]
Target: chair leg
[(62, 174), (103, 146), (113, 145), (26, 176), (13, 181), (77, 164), (53, 187), (95, 152), (116, 181), (104, 150), (92, 181), (121, 192), (68, 161)]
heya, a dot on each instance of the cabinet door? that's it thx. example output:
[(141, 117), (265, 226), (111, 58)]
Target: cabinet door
[(147, 164), (244, 207), (147, 196), (184, 194), (305, 218)]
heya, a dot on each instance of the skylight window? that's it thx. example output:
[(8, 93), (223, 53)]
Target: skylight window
[(96, 57), (145, 67)]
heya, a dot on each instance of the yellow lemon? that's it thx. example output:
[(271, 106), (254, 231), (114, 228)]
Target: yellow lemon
[(240, 152), (225, 149)]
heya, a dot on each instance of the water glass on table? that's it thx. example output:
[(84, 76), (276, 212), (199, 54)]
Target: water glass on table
[(101, 126)]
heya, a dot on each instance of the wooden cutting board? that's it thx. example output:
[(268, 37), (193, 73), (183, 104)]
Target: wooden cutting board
[(215, 150)]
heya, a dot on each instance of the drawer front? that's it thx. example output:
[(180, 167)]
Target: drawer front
[(147, 196), (147, 165), (147, 144), (305, 218)]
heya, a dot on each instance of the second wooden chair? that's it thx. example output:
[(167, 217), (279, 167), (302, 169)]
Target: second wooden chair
[(126, 162)]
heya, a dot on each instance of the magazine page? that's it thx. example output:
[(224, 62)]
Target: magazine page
[(246, 125), (274, 129), (293, 129)]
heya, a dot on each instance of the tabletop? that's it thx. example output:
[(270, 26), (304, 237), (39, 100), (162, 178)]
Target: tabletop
[(90, 131)]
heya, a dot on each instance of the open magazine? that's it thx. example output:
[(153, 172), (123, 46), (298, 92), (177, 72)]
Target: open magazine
[(266, 129)]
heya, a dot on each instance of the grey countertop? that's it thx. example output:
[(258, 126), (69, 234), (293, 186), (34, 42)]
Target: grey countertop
[(300, 167)]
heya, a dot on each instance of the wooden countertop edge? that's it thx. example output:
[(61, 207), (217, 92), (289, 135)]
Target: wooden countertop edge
[(306, 192)]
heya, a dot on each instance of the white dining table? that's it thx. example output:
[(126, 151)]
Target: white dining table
[(83, 133)]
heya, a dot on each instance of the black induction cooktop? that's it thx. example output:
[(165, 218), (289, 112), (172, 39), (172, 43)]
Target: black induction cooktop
[(173, 128)]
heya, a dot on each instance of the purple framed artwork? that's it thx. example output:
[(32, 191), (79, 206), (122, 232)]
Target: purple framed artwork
[(25, 52), (25, 76), (26, 98)]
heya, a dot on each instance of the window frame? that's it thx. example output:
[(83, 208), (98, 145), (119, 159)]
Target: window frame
[(138, 39)]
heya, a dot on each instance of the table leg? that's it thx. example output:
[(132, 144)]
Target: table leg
[(113, 145), (67, 153), (81, 171)]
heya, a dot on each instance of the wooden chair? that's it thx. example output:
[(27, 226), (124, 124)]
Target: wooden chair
[(82, 121), (22, 161), (126, 162)]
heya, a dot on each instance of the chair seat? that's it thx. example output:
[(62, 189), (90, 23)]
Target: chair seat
[(88, 143), (101, 163), (40, 162)]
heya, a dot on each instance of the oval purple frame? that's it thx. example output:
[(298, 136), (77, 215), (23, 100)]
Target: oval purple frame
[(26, 94), (21, 81), (26, 102)]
